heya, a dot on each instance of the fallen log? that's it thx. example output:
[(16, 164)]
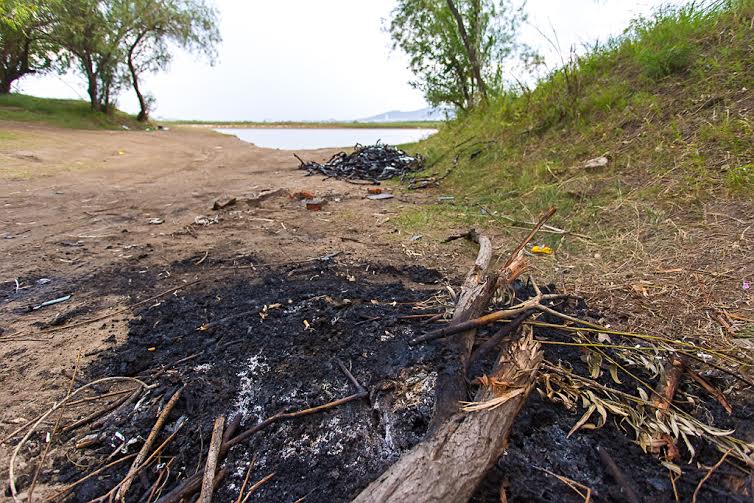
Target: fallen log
[(476, 292), (449, 465)]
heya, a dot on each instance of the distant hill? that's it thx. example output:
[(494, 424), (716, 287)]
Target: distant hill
[(425, 114)]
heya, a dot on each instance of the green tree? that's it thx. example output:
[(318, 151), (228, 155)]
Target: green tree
[(457, 48), (25, 45), (155, 26), (93, 31)]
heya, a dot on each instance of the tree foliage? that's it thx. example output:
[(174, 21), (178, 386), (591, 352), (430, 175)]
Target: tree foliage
[(457, 48), (156, 25), (111, 43), (92, 32), (25, 47)]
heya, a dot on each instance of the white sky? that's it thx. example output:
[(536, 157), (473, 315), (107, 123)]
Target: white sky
[(325, 59)]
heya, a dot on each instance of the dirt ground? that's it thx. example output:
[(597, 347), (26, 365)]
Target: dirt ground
[(119, 218), (76, 207)]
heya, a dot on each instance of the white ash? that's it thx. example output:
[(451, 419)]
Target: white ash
[(246, 402)]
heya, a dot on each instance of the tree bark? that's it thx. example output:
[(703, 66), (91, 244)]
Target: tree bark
[(476, 293), (92, 89), (450, 465), (471, 49), (143, 112)]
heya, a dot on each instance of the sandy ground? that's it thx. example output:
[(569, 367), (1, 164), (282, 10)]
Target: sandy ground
[(76, 204)]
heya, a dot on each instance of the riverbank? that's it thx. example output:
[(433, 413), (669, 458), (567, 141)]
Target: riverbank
[(308, 125)]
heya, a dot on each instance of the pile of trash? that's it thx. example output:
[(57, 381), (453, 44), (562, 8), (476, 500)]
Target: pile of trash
[(371, 163)]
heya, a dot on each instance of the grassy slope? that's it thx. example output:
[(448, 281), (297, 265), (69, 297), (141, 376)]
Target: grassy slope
[(62, 113), (671, 104)]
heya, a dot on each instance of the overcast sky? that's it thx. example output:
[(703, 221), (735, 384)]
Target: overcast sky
[(324, 59)]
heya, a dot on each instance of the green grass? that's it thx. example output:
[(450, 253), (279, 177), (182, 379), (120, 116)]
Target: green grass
[(74, 114), (312, 125), (669, 103)]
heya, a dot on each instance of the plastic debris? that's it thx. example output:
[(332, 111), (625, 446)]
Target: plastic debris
[(51, 302), (377, 197), (541, 250)]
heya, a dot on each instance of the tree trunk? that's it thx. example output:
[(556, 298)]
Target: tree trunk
[(92, 91), (476, 293), (15, 66), (450, 465), (143, 112), (471, 49)]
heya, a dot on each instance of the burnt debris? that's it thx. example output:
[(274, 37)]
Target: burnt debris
[(370, 163)]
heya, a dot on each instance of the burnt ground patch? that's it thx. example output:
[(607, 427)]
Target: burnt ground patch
[(253, 344), (258, 345)]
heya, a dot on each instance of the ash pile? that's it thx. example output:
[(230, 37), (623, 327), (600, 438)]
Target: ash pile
[(370, 163)]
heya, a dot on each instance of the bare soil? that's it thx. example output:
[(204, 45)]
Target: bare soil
[(262, 298)]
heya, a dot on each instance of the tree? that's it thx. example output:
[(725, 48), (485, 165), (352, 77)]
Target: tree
[(155, 25), (456, 47), (25, 46), (92, 31)]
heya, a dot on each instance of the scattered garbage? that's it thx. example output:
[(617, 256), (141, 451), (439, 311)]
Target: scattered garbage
[(541, 250), (371, 163), (205, 220), (51, 302), (377, 197), (596, 163), (374, 190), (255, 200), (315, 204), (224, 203), (155, 221), (301, 195)]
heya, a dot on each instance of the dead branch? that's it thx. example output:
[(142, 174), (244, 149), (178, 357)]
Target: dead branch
[(714, 392), (14, 455), (212, 457), (496, 339), (193, 483), (665, 391), (619, 476), (100, 412), (535, 303), (256, 486), (477, 290), (120, 495), (449, 465)]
